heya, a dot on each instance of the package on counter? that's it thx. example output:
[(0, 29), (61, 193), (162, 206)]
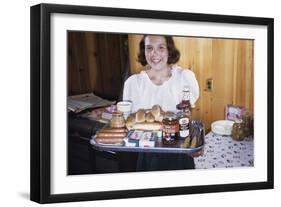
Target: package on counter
[(233, 112), (131, 142), (148, 139), (135, 134), (133, 138)]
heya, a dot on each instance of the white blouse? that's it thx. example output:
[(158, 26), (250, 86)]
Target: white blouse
[(144, 93)]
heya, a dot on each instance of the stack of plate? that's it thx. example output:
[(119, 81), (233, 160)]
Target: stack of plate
[(222, 127)]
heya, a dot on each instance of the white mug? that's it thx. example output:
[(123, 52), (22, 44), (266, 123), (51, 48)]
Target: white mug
[(125, 107)]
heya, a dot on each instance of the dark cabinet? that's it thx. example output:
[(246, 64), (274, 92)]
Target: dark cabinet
[(79, 156), (83, 159), (97, 62)]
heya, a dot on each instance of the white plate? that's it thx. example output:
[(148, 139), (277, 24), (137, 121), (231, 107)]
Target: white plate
[(222, 127)]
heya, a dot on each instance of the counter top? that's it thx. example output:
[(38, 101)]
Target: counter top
[(224, 152)]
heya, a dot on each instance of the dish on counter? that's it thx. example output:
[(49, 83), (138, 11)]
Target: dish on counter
[(222, 127)]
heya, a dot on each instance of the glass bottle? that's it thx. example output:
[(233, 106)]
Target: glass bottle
[(184, 121), (238, 130), (184, 114), (185, 101), (117, 120), (170, 128), (248, 120)]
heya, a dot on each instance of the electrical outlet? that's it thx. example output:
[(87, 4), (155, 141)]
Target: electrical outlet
[(209, 84)]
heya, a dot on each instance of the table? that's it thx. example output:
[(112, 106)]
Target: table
[(224, 152)]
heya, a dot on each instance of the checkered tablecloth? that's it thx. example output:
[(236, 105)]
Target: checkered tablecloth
[(224, 152)]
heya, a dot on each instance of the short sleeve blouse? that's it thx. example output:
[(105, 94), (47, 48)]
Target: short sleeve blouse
[(144, 93)]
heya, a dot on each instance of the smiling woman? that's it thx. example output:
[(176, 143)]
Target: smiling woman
[(163, 81), (162, 84)]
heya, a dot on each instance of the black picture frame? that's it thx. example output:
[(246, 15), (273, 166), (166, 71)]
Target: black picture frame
[(40, 185)]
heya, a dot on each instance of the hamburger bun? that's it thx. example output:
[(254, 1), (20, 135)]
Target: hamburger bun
[(147, 126), (156, 110), (140, 116), (149, 117), (131, 120)]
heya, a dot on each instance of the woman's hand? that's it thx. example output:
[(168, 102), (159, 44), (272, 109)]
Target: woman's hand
[(197, 154)]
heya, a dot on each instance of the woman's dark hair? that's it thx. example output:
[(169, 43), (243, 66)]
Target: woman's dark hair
[(173, 52)]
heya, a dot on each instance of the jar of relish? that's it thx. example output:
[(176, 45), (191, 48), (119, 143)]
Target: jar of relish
[(117, 120), (170, 128), (238, 133)]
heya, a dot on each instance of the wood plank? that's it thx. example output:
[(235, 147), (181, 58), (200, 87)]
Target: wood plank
[(222, 70), (133, 43), (92, 60)]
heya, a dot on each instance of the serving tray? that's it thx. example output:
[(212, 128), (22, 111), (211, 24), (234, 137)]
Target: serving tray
[(159, 147)]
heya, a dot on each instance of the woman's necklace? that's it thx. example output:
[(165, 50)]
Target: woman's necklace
[(165, 77), (159, 80)]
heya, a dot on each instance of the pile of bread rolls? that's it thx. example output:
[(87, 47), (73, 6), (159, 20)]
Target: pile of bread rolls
[(146, 119), (143, 119)]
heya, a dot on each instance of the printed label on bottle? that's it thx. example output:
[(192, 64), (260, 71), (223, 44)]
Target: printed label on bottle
[(184, 133), (169, 132), (183, 121), (170, 128), (184, 127)]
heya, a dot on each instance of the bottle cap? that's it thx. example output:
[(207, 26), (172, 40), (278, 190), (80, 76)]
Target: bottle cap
[(170, 115), (182, 106)]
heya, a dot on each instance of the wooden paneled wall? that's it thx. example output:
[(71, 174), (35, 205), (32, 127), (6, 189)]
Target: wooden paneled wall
[(228, 62), (97, 62), (82, 65)]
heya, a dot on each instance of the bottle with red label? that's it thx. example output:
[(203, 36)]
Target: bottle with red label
[(184, 113)]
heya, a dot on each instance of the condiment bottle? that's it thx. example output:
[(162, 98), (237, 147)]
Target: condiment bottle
[(238, 130), (170, 128), (248, 121), (117, 120), (184, 121), (185, 101), (184, 114)]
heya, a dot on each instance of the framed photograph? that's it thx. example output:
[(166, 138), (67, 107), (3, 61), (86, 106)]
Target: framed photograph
[(131, 103)]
